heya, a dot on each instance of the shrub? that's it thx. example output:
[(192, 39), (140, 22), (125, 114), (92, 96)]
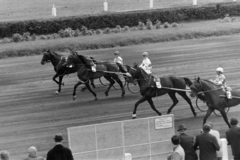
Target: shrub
[(107, 31), (33, 37), (61, 33), (149, 24), (166, 25), (115, 30), (133, 28), (43, 37), (55, 36), (141, 26), (6, 40), (89, 32), (175, 25), (158, 24), (84, 30), (26, 36), (99, 31), (17, 37), (68, 32), (77, 33), (119, 28), (126, 29)]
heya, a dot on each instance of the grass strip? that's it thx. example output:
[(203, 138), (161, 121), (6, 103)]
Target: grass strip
[(193, 30)]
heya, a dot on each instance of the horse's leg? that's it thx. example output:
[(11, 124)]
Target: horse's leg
[(143, 99), (74, 89), (209, 112), (92, 83), (89, 88), (172, 95), (225, 117), (150, 101), (116, 78), (54, 78), (110, 85), (59, 85), (184, 95)]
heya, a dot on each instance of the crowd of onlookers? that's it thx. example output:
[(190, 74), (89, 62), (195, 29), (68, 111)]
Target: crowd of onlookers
[(207, 143), (58, 152)]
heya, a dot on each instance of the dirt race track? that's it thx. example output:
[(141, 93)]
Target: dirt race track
[(31, 114)]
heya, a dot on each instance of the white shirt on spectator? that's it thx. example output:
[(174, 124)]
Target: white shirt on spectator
[(217, 135)]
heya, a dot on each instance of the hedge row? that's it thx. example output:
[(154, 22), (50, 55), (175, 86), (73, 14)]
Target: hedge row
[(110, 20)]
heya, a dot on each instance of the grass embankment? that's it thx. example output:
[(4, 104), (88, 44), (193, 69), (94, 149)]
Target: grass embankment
[(184, 31)]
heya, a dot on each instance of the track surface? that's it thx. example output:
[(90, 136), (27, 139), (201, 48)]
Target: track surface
[(31, 114)]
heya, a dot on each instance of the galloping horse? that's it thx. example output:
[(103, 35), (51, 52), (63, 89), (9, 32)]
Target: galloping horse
[(215, 97), (107, 69), (148, 89), (57, 62)]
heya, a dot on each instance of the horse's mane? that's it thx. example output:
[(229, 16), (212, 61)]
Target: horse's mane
[(144, 73), (54, 53), (84, 60), (206, 80)]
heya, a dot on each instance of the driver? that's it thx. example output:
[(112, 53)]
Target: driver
[(146, 64), (221, 80)]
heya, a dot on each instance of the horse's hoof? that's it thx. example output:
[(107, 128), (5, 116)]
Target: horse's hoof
[(62, 83), (74, 97), (195, 114), (123, 95), (134, 116), (106, 94), (96, 98), (56, 92)]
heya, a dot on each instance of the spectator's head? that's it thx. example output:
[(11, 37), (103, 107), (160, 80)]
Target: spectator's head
[(233, 121), (4, 155), (32, 151), (210, 124), (206, 128), (175, 140), (58, 137), (181, 128)]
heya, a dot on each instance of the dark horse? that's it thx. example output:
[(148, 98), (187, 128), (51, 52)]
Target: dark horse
[(57, 62), (215, 97), (170, 85), (107, 69)]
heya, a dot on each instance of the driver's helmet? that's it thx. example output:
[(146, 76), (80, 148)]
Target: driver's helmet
[(145, 54), (116, 53), (219, 69)]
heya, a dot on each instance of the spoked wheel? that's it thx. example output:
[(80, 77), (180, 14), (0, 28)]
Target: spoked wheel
[(103, 81), (202, 106), (116, 85), (133, 87), (217, 113)]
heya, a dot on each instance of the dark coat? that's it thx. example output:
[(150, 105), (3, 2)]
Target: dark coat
[(233, 138), (208, 145), (59, 152), (187, 142)]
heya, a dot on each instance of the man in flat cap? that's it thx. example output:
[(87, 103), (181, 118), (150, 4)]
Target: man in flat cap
[(187, 142), (233, 138), (59, 152), (207, 143)]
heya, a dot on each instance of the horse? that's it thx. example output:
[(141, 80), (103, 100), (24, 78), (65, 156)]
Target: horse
[(106, 69), (170, 85), (57, 61), (215, 97)]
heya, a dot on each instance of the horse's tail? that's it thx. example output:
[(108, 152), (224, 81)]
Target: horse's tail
[(188, 81)]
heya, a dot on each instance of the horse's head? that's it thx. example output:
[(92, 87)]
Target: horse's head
[(196, 87), (46, 56), (132, 70)]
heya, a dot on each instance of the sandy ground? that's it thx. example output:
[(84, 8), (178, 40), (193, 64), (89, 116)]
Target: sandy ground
[(30, 113)]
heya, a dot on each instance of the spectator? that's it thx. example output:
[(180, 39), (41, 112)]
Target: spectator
[(59, 152), (32, 154), (207, 143), (4, 155), (178, 152), (233, 138), (216, 134), (187, 142)]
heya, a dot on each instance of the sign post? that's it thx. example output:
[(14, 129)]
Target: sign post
[(105, 6), (194, 2), (54, 11), (151, 4)]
